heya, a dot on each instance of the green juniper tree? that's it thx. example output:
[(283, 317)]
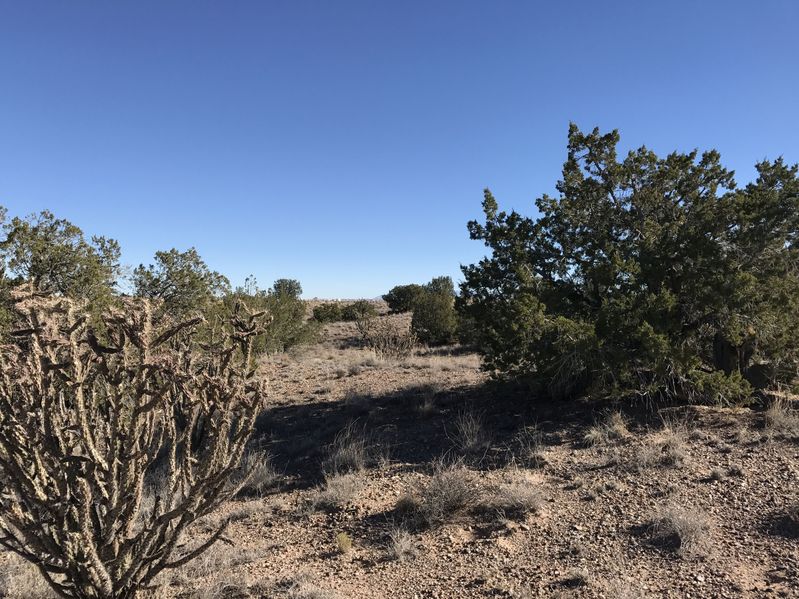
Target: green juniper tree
[(645, 274), (434, 319), (182, 280), (56, 257), (402, 297), (289, 325)]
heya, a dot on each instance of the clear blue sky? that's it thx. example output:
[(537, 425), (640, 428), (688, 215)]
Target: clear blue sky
[(347, 144)]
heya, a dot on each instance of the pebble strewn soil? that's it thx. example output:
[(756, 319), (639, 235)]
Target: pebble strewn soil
[(591, 537)]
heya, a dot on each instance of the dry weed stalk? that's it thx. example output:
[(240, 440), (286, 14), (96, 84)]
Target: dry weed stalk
[(388, 341), (82, 425)]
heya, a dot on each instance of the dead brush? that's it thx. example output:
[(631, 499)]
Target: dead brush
[(349, 451), (450, 491), (527, 447), (613, 427), (683, 530), (389, 342), (257, 474), (515, 499), (401, 544), (668, 447), (782, 420), (339, 490)]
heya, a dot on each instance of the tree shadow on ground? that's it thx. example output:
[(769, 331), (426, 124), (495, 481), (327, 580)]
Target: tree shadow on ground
[(417, 425)]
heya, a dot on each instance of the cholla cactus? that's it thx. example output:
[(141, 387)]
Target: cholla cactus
[(84, 426)]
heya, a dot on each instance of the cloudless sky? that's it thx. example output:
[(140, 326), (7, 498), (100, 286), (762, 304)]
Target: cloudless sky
[(346, 144)]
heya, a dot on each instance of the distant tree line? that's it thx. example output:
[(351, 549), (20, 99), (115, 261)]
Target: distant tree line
[(57, 257)]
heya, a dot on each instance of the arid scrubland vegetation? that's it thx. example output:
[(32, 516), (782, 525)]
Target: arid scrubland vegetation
[(604, 408)]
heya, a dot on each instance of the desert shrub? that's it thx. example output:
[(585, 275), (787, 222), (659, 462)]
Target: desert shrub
[(83, 427), (387, 340), (256, 473), (672, 443), (338, 491), (349, 451), (469, 433), (401, 544), (527, 447), (402, 297), (612, 427), (288, 327), (434, 319), (515, 499), (358, 310), (449, 491), (651, 275), (666, 448), (55, 255), (328, 312)]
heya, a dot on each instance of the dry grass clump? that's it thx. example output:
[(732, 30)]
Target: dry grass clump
[(348, 452), (672, 442), (450, 491), (424, 399), (445, 363), (515, 499), (667, 448), (257, 474), (598, 489), (200, 579), (782, 421), (469, 434), (401, 544), (339, 491), (612, 428), (528, 447), (684, 530)]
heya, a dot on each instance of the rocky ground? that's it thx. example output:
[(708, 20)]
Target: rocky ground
[(421, 479)]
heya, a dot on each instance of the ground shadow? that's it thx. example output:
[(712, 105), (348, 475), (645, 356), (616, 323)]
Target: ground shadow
[(415, 426), (783, 524)]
